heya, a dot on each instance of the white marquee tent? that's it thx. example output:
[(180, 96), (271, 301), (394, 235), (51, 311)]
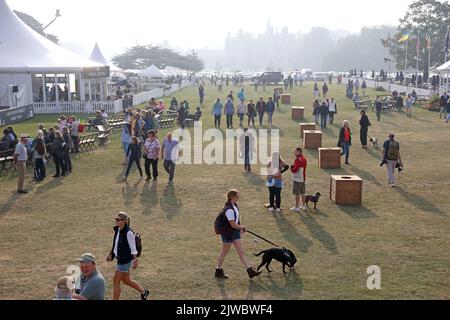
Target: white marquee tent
[(28, 60), (444, 69), (97, 56), (151, 72)]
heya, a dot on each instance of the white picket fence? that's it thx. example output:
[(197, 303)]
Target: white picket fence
[(116, 106), (77, 107), (393, 87)]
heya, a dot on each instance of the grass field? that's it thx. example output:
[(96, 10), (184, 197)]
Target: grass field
[(405, 231)]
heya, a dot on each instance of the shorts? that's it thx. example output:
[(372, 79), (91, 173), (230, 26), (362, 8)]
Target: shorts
[(125, 268), (299, 188), (231, 238)]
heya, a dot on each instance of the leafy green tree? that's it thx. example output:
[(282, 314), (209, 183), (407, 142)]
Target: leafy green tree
[(141, 57), (428, 19), (36, 26)]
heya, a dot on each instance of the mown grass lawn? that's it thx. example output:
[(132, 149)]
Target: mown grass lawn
[(404, 231)]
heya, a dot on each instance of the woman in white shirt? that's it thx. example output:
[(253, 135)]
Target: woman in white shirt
[(332, 107), (231, 235)]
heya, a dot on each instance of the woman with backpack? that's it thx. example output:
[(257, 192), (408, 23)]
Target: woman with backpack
[(134, 156), (228, 223), (125, 251)]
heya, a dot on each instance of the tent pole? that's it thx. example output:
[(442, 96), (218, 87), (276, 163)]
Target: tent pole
[(69, 98), (56, 90), (44, 89)]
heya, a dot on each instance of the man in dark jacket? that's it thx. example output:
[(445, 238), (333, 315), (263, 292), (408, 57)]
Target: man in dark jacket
[(323, 111), (261, 109), (442, 104), (270, 109)]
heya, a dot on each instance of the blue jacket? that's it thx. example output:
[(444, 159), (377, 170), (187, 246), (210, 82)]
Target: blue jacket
[(270, 106), (217, 109), (241, 95), (229, 108)]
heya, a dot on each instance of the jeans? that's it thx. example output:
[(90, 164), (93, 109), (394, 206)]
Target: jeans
[(323, 121), (275, 197), (39, 169), (331, 117), (252, 120), (59, 165), (363, 135), (261, 118), (130, 163), (390, 165), (217, 121), (229, 121), (169, 166), (247, 165), (378, 115), (241, 118), (76, 143), (346, 150), (316, 118), (270, 115), (154, 164)]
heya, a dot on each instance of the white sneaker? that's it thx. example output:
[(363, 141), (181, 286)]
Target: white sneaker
[(303, 208), (271, 209), (278, 210), (295, 209)]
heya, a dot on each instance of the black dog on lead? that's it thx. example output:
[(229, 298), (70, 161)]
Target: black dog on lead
[(285, 256), (314, 199)]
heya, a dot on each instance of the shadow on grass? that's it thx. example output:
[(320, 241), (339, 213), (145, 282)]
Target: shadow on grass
[(52, 183), (221, 286), (358, 212), (374, 152), (129, 192), (291, 234), (320, 234), (419, 202), (149, 197), (366, 176), (4, 209), (282, 290), (169, 202), (255, 180)]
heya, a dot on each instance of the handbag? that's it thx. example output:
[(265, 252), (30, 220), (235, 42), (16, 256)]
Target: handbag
[(339, 144)]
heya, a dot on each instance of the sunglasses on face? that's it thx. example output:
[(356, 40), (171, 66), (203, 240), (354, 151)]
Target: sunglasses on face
[(117, 219)]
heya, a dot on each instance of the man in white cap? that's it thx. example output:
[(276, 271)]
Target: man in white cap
[(93, 285), (20, 162)]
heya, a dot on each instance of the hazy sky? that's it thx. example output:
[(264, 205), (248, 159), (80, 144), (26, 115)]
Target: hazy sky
[(197, 23)]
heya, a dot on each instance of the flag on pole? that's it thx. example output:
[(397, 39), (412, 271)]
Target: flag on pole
[(404, 37), (429, 43), (446, 41)]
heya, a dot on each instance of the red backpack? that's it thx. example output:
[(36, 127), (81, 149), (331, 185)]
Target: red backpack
[(81, 128)]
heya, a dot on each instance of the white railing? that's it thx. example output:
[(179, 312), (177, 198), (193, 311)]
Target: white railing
[(76, 107), (393, 87), (112, 106)]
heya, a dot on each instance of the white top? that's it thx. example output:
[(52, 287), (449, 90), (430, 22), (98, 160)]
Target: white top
[(131, 243), (230, 214), (332, 106), (21, 152), (242, 108), (74, 129)]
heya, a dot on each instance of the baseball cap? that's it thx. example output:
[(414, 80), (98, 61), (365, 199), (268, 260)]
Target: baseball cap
[(87, 257), (24, 136)]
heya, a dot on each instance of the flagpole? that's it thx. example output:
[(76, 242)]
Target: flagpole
[(446, 48), (417, 58), (406, 54), (395, 58)]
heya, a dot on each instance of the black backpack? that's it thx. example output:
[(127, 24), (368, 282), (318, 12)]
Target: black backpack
[(137, 238), (221, 223)]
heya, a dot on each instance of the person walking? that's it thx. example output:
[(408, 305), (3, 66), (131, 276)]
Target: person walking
[(217, 112), (201, 93), (442, 102), (57, 151), (345, 140), (378, 108), (270, 109), (241, 95), (251, 112), (409, 105), (363, 88), (391, 157), (75, 134), (229, 111), (67, 148), (126, 140), (276, 167), (170, 153), (316, 114), (261, 109), (276, 97), (232, 236), (134, 156), (125, 252), (324, 90), (332, 109), (364, 123), (20, 162), (246, 149), (299, 179), (241, 111), (316, 90), (447, 107), (323, 111), (152, 148)]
